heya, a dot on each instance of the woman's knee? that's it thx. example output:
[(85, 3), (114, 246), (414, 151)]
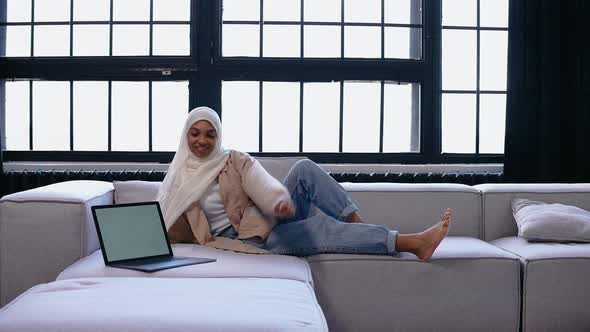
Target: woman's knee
[(303, 170), (303, 165)]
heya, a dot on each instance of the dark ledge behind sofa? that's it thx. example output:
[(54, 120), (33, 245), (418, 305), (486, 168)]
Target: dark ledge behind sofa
[(22, 180)]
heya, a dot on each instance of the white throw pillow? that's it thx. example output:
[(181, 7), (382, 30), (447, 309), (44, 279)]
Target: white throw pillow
[(539, 221)]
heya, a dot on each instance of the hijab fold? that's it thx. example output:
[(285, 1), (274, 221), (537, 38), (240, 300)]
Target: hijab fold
[(188, 175)]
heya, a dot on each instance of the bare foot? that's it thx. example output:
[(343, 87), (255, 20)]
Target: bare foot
[(355, 218), (431, 238)]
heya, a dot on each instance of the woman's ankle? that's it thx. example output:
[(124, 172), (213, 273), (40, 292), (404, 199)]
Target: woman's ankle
[(407, 243)]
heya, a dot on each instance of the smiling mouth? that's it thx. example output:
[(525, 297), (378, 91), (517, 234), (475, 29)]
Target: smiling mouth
[(202, 148)]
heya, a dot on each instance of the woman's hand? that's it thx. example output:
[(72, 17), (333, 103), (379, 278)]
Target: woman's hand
[(285, 209)]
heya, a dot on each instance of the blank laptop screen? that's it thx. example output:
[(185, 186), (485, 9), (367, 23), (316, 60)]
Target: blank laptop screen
[(131, 232)]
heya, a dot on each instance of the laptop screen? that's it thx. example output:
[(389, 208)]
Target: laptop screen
[(129, 232)]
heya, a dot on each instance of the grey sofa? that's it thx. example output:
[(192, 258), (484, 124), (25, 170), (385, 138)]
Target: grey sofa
[(482, 277)]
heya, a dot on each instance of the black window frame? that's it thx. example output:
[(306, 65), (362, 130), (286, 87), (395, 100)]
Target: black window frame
[(205, 70)]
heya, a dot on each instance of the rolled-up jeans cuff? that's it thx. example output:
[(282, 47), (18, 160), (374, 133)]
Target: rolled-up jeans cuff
[(391, 242), (347, 211)]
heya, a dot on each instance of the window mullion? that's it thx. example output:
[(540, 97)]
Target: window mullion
[(260, 114), (33, 28), (381, 115), (430, 132), (477, 74), (341, 118), (71, 115), (341, 36), (150, 112), (71, 27), (110, 31), (31, 115), (110, 116), (151, 31), (261, 32), (301, 116)]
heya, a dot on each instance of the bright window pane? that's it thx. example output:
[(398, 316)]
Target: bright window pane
[(52, 40), (171, 39), (459, 12), (282, 10), (493, 13), (131, 10), (51, 115), (239, 115), (131, 39), (494, 60), (241, 10), (321, 117), (18, 11), (129, 125), (492, 123), (403, 11), (400, 120), (459, 59), (322, 11), (281, 41), (458, 123), (362, 42), (91, 40), (52, 10), (361, 117), (398, 43), (321, 41), (91, 106), (92, 10), (169, 110), (241, 40), (280, 117), (18, 40), (362, 11), (172, 10), (17, 116)]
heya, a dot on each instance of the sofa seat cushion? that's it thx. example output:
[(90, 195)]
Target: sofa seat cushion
[(165, 304), (228, 264), (467, 284), (533, 251), (556, 296)]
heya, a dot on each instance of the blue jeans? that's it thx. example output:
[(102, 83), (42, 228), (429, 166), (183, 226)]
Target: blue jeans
[(305, 234)]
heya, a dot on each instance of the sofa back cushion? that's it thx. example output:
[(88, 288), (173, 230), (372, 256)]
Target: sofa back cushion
[(497, 199), (411, 208), (143, 191)]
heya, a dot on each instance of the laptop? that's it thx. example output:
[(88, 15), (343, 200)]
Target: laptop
[(133, 236)]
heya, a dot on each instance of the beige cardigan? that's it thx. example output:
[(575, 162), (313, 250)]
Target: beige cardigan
[(249, 196)]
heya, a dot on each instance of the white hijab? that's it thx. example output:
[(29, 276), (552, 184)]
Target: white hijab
[(189, 176)]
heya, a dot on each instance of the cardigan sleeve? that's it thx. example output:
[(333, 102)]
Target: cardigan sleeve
[(262, 188)]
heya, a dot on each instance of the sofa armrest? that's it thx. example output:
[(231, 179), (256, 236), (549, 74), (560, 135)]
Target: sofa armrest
[(46, 229)]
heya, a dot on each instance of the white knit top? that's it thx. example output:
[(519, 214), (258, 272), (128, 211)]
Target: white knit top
[(212, 205)]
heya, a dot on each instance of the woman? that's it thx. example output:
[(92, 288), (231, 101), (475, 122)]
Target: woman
[(225, 199)]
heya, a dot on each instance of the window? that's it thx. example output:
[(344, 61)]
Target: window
[(474, 61), (335, 80), (322, 29), (370, 116), (60, 28), (95, 115), (407, 81)]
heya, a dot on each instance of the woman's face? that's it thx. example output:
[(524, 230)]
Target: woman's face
[(202, 137)]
